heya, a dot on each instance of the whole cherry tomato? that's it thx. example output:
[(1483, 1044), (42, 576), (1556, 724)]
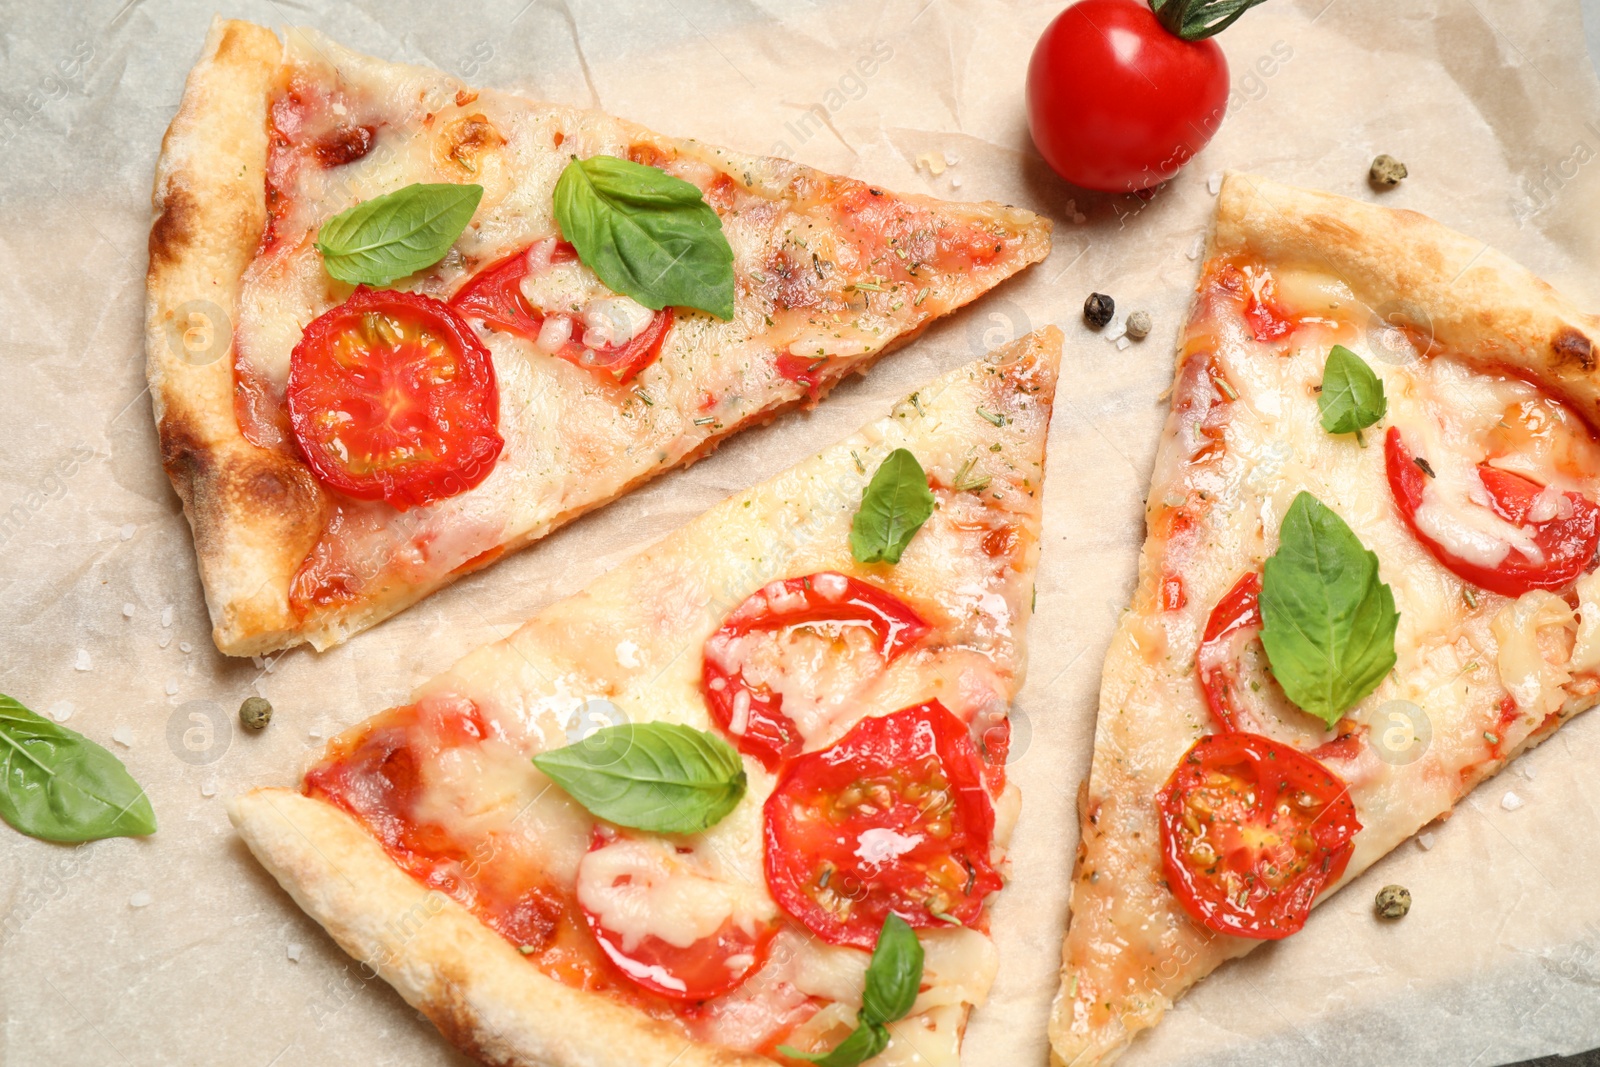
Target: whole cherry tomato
[(1120, 96)]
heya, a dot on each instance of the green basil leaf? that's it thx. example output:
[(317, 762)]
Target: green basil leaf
[(1328, 622), (396, 234), (60, 786), (1352, 395), (896, 504), (646, 234), (863, 1043), (655, 776), (894, 976)]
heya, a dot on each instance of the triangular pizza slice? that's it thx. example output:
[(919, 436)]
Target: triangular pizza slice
[(673, 818), (1367, 584), (398, 327)]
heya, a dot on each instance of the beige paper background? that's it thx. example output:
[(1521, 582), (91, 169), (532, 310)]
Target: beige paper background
[(1486, 101)]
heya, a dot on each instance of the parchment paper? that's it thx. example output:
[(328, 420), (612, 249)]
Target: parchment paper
[(180, 950)]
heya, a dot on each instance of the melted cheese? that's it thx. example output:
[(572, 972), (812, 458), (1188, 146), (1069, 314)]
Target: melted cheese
[(646, 887), (1535, 634), (577, 440), (627, 649)]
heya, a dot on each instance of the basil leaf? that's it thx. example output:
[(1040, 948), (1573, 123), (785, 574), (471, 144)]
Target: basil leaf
[(646, 234), (655, 776), (396, 234), (60, 786), (863, 1043), (1352, 395), (894, 978), (894, 507), (1328, 622)]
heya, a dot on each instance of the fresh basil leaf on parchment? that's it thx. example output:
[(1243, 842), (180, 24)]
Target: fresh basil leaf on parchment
[(894, 507), (1352, 395), (1328, 622), (646, 234), (396, 234), (893, 979), (654, 776), (60, 786)]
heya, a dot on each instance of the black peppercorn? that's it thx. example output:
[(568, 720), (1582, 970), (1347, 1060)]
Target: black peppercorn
[(1098, 309)]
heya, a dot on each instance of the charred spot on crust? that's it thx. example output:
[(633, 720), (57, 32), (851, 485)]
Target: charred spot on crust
[(272, 488), (173, 229), (1572, 347)]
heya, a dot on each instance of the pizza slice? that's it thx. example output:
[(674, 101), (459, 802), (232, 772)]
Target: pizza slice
[(673, 818), (1367, 585), (398, 327)]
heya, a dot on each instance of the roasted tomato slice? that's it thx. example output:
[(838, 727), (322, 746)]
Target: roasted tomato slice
[(893, 818), (1233, 622), (623, 878), (494, 295), (1562, 530), (1251, 830), (814, 639), (392, 397)]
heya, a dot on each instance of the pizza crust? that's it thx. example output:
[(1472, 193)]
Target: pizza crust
[(476, 988), (1453, 288), (1414, 272), (255, 513)]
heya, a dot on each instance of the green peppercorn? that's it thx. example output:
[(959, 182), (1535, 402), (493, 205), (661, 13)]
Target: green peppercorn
[(1098, 309), (1386, 171), (255, 713), (1393, 902)]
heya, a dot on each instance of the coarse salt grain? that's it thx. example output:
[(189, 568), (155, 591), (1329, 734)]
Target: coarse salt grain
[(1214, 182), (164, 640), (166, 615), (1115, 330), (1197, 249), (123, 735), (955, 183), (60, 711), (184, 646), (1425, 841), (951, 159), (141, 899), (208, 788), (172, 687), (1511, 802), (84, 662), (127, 611), (127, 531), (1526, 770), (296, 949), (1123, 343)]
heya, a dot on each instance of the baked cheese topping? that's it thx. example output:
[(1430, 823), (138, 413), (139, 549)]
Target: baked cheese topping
[(473, 817), (1479, 675), (828, 272)]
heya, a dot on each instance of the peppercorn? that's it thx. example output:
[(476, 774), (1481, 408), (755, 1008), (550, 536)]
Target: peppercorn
[(1393, 902), (1139, 325), (1098, 309), (255, 713), (1386, 170)]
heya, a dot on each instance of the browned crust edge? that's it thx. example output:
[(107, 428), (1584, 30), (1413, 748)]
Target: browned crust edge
[(255, 513), (480, 992), (1417, 272)]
